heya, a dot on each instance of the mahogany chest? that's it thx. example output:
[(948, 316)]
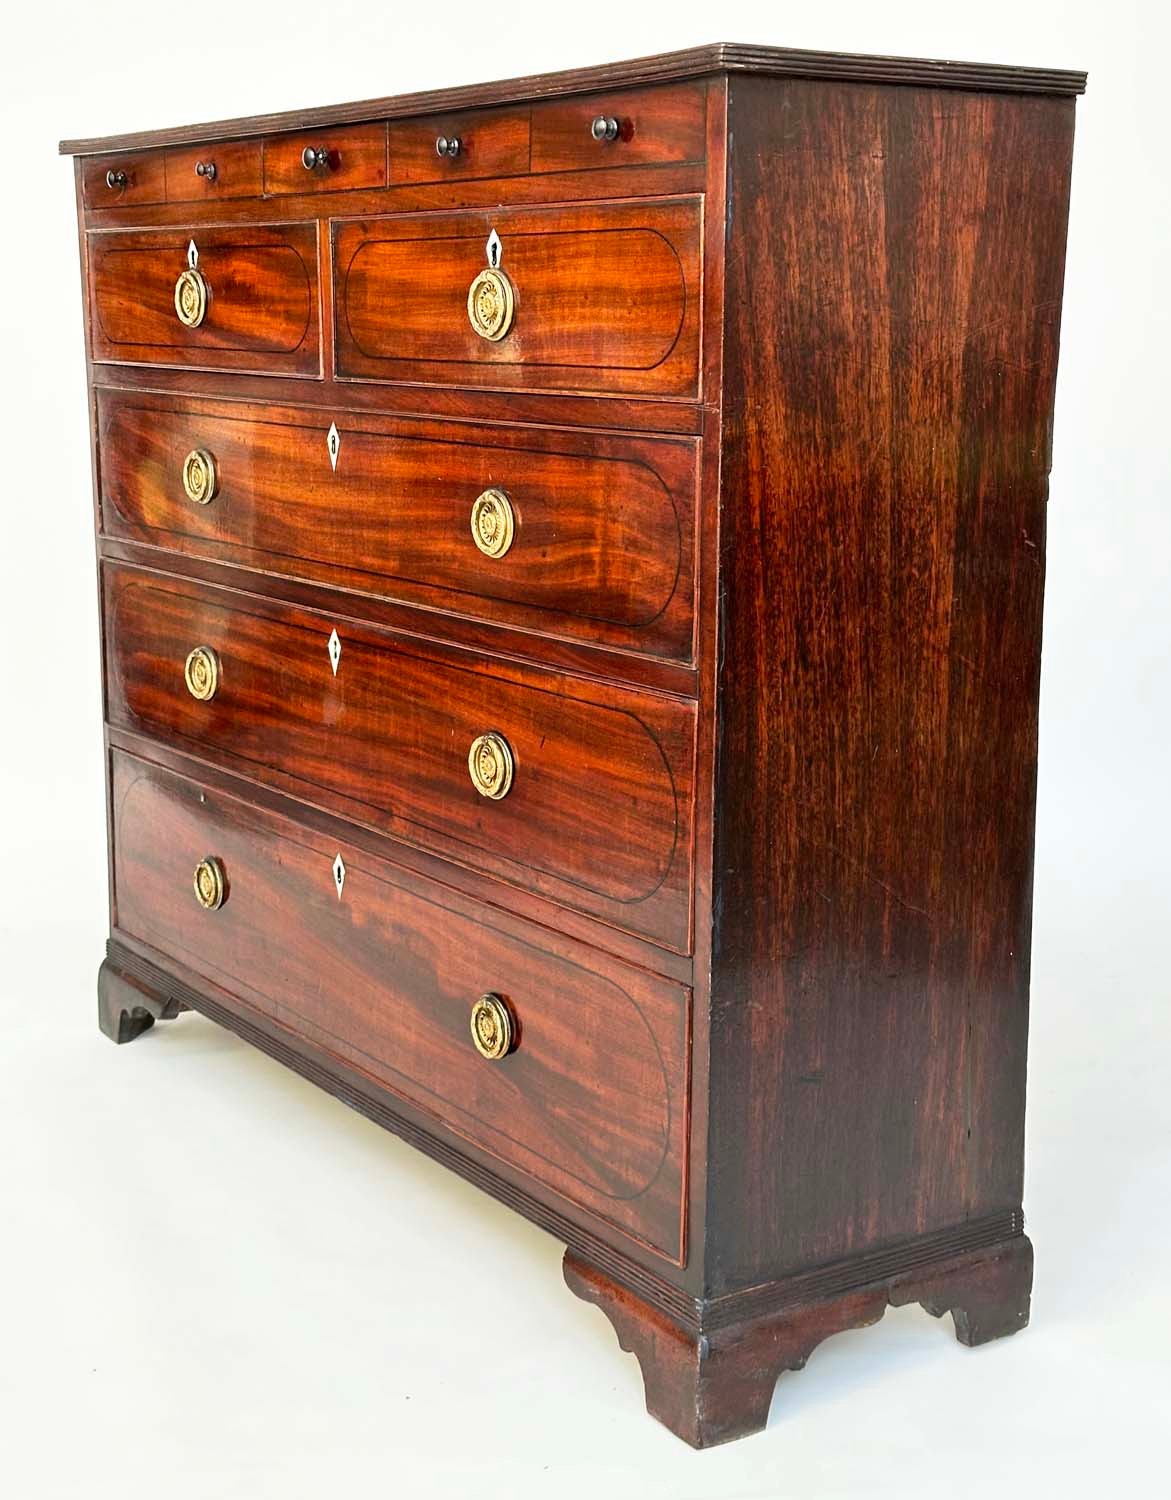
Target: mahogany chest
[(570, 556)]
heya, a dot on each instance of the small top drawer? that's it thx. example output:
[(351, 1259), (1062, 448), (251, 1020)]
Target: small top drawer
[(123, 181), (490, 143), (331, 160), (640, 127), (227, 169)]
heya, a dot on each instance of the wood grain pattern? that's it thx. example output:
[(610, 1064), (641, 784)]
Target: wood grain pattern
[(599, 814), (492, 143), (593, 1098), (892, 342), (237, 172), (607, 298), (262, 307), (604, 539), (146, 181), (356, 159), (694, 62), (655, 125)]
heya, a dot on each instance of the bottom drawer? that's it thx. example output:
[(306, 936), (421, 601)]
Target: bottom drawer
[(384, 971)]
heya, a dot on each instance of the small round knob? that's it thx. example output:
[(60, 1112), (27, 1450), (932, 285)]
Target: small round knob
[(206, 170), (448, 145), (604, 128), (200, 479), (315, 158), (493, 523), (201, 672), (116, 179), (191, 298), (491, 304), (493, 1030), (490, 765), (211, 889)]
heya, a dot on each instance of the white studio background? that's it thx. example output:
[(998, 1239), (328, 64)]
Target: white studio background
[(216, 1281)]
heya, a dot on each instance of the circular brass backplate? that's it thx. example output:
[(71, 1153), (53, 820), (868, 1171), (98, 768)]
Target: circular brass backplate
[(491, 304), (490, 765), (191, 297), (493, 523), (202, 673), (492, 1028), (210, 887), (199, 476)]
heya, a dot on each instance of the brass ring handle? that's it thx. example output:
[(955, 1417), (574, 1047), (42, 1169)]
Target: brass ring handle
[(211, 888), (201, 672), (493, 1029), (491, 304), (493, 523), (200, 479), (490, 765), (191, 297)]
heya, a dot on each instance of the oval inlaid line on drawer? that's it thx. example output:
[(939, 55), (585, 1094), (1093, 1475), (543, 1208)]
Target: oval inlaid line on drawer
[(602, 540), (591, 1097), (598, 811), (261, 297)]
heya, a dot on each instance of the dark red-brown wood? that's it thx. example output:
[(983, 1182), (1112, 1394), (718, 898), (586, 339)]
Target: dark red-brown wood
[(354, 157), (654, 126), (262, 299), (103, 187), (604, 527), (231, 169), (591, 1100), (492, 143), (599, 813), (607, 298)]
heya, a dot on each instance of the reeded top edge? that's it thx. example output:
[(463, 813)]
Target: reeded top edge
[(721, 57)]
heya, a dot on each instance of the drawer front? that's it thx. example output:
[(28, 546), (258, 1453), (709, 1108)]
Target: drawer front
[(332, 160), (253, 290), (602, 528), (605, 298), (596, 781), (642, 127), (458, 147), (203, 174), (384, 973), (123, 181)]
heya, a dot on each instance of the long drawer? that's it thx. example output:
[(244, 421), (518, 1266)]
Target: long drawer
[(385, 972), (588, 537), (602, 298), (241, 297), (581, 793)]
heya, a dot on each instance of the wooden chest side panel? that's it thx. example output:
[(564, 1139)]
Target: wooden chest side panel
[(592, 1101), (894, 279)]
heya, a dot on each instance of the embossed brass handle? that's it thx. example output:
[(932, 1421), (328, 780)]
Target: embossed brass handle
[(448, 145), (191, 297), (202, 673), (493, 523), (490, 765), (211, 889), (604, 128), (200, 479), (116, 179), (493, 1030), (491, 304)]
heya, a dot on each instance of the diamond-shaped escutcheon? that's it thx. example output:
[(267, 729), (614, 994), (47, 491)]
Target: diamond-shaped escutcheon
[(339, 874), (335, 650), (333, 441)]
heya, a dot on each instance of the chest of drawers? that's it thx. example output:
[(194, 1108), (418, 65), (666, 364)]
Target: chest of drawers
[(570, 557)]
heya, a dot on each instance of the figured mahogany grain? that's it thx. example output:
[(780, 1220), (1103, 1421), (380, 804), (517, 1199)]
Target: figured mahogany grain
[(262, 302), (146, 180), (607, 298), (604, 526), (492, 143), (599, 814), (356, 156), (592, 1099), (237, 172), (655, 125)]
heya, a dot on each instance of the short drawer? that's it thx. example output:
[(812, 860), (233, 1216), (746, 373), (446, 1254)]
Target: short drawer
[(641, 127), (384, 972), (123, 181), (243, 297), (603, 298), (578, 792), (204, 174), (585, 537), (334, 159), (457, 147)]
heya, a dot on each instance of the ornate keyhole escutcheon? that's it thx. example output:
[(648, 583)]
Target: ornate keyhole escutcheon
[(191, 291), (491, 299)]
